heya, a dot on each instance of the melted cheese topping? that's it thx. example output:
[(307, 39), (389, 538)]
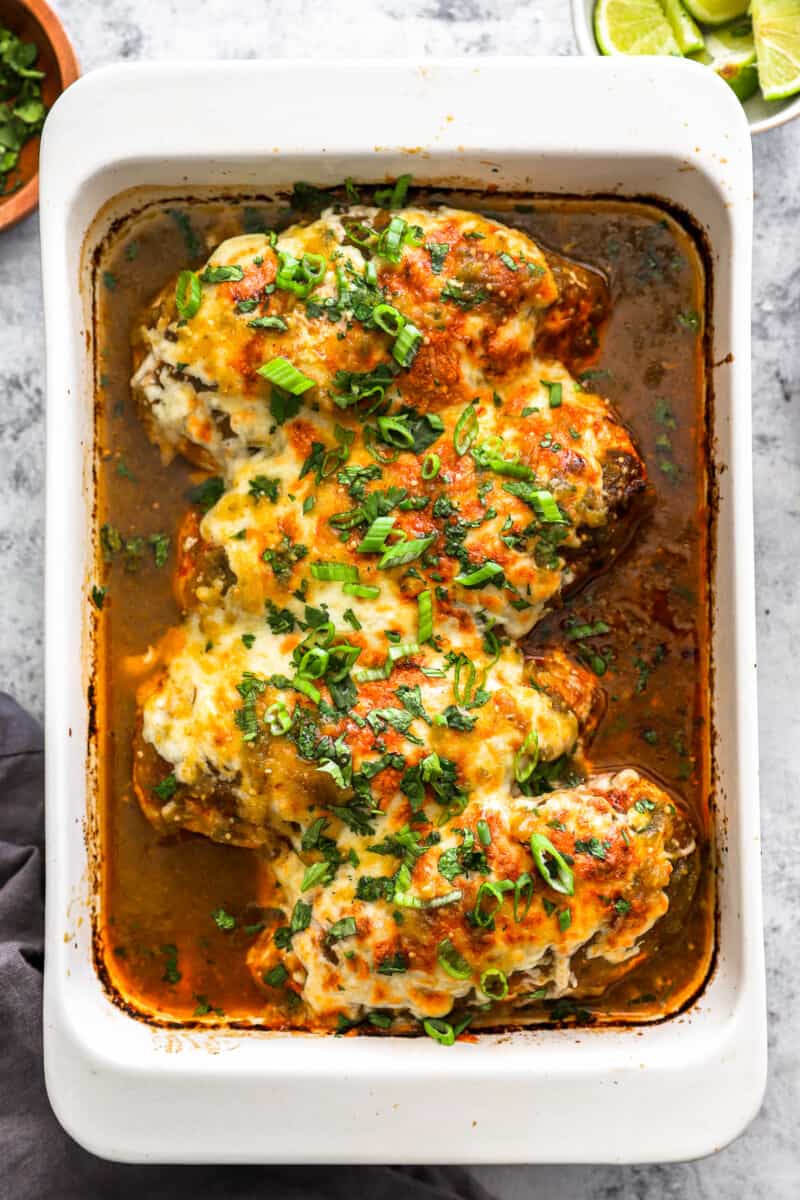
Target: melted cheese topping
[(391, 772), (619, 833)]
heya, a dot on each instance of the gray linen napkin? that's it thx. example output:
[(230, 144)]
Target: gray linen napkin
[(38, 1161)]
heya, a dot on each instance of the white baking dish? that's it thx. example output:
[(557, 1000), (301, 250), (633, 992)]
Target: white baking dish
[(668, 1091)]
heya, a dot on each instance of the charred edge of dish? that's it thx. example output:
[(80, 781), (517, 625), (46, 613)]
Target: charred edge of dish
[(91, 824), (686, 221)]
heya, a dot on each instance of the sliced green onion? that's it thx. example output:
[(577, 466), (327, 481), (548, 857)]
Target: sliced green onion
[(268, 323), (484, 917), (544, 853), (441, 901), (395, 432), (554, 391), (286, 376), (361, 234), (489, 570), (375, 537), (463, 695), (404, 898), (424, 616), (504, 466), (545, 507), (334, 572), (222, 275), (403, 650), (493, 445), (364, 591), (390, 242), (278, 718), (288, 272), (313, 267), (405, 552), (388, 318), (407, 345), (322, 635), (314, 663), (431, 465), (370, 436), (371, 273), (342, 658), (347, 520), (301, 684), (188, 294), (494, 984), (465, 430), (451, 961), (440, 1031), (299, 276), (372, 674), (394, 197), (523, 892), (484, 833), (527, 757)]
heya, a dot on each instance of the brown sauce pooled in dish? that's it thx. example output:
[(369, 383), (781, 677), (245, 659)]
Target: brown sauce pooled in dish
[(164, 941)]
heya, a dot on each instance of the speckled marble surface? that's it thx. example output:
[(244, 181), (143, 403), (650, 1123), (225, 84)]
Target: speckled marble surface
[(764, 1164)]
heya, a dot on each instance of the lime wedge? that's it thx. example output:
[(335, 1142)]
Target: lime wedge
[(687, 35), (731, 52), (716, 12), (776, 25), (633, 27)]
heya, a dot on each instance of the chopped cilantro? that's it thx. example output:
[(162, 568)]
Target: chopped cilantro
[(223, 920)]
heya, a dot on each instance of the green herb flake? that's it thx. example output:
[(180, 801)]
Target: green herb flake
[(260, 486), (207, 493), (438, 252), (276, 977), (159, 543), (393, 964), (191, 241), (165, 790), (223, 920), (171, 972)]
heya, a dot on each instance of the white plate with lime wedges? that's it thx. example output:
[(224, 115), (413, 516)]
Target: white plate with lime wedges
[(754, 45)]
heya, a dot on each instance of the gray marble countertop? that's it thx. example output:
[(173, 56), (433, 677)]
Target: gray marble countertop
[(764, 1164)]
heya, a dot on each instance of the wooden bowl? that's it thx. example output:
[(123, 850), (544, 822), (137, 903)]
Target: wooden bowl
[(34, 21)]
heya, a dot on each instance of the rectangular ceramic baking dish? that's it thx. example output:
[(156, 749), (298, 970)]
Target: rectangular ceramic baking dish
[(128, 1091)]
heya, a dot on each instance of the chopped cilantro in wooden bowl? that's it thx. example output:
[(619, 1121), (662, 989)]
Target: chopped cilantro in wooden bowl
[(36, 64)]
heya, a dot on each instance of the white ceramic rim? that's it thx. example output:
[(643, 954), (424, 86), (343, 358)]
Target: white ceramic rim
[(583, 27), (675, 1090)]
